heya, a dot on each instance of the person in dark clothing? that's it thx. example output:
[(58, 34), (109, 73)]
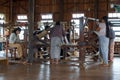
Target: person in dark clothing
[(36, 45), (111, 44), (56, 35)]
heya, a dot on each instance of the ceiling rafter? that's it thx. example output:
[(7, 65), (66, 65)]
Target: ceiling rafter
[(4, 3)]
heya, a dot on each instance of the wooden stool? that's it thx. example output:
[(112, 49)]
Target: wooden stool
[(3, 61), (38, 55), (12, 52)]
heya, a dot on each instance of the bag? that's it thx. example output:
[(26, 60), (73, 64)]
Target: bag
[(111, 34)]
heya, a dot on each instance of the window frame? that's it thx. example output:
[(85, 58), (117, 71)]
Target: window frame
[(45, 18), (22, 18), (114, 18), (75, 18)]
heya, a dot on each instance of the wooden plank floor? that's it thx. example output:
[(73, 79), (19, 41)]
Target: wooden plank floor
[(63, 71)]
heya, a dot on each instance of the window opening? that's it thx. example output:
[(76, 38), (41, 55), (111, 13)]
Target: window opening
[(114, 18)]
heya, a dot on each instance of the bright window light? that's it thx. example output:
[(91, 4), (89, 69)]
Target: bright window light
[(21, 35), (117, 39), (114, 15), (43, 21), (116, 28), (75, 18), (76, 21), (22, 17), (118, 14), (46, 16), (2, 21), (114, 18), (110, 14), (117, 33), (77, 15), (2, 18)]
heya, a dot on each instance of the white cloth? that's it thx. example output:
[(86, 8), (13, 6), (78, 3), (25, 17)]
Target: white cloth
[(102, 31), (55, 48)]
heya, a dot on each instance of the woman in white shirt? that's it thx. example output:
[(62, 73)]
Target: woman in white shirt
[(103, 40), (14, 41)]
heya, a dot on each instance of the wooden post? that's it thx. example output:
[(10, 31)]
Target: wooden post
[(81, 39), (30, 28)]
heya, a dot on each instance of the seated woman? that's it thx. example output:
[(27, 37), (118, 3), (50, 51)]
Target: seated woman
[(14, 41)]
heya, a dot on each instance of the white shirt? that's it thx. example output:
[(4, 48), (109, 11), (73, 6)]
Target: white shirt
[(102, 31), (14, 38)]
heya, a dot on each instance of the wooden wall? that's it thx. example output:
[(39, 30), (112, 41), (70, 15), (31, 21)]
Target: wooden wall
[(61, 9)]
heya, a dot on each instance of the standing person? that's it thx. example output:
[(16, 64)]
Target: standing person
[(34, 46), (14, 41), (104, 39), (111, 44), (56, 34), (37, 44)]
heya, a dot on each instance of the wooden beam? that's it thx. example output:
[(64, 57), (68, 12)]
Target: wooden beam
[(61, 9), (5, 2)]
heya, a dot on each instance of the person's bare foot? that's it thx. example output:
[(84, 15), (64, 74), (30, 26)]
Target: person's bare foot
[(56, 61), (52, 61), (26, 63), (110, 61), (101, 62), (106, 65)]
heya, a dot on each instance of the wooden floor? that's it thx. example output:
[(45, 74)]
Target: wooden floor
[(63, 71)]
